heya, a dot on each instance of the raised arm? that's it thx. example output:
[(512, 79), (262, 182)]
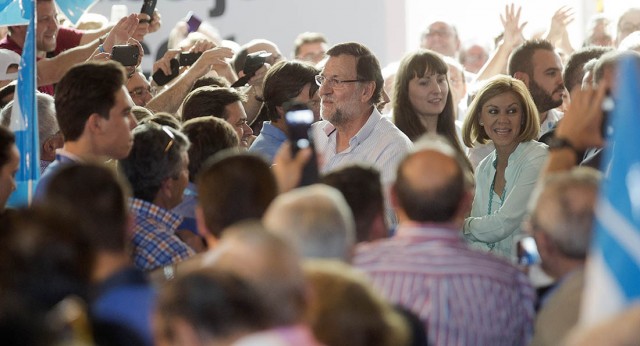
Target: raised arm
[(513, 37)]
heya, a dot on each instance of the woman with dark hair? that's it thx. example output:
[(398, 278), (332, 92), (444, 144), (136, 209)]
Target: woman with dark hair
[(422, 101), (9, 162)]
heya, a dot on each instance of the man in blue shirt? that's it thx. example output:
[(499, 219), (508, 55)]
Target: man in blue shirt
[(285, 81)]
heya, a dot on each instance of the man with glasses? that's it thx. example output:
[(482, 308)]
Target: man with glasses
[(93, 109), (157, 169), (353, 130), (441, 37), (629, 22)]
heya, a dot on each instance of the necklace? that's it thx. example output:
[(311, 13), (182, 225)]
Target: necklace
[(491, 192)]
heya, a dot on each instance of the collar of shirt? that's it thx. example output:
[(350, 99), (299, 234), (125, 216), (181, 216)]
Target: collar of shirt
[(146, 210), (270, 130), (364, 131), (446, 232)]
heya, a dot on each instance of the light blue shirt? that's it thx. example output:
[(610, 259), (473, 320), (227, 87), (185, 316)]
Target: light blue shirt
[(498, 232), (268, 141)]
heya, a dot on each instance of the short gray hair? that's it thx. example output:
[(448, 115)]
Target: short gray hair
[(316, 219), (47, 122)]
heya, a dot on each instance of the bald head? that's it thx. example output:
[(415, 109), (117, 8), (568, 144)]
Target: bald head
[(430, 183)]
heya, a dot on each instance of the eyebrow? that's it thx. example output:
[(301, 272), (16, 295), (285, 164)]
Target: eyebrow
[(509, 105)]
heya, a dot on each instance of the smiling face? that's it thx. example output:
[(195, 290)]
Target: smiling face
[(501, 117), (47, 26), (428, 94), (340, 103), (237, 117)]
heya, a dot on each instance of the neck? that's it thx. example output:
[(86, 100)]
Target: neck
[(108, 263), (566, 266), (430, 122), (543, 116), (83, 149), (503, 152), (350, 129)]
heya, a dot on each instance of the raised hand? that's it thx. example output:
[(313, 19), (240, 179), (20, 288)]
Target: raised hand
[(164, 63), (513, 36), (581, 124), (121, 32)]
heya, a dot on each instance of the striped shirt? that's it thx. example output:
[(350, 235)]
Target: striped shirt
[(154, 242), (464, 297)]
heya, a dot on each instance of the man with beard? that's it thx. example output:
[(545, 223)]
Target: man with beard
[(537, 64), (352, 129)]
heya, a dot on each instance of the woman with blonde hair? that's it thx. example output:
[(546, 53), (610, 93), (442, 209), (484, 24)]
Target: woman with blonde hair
[(503, 112)]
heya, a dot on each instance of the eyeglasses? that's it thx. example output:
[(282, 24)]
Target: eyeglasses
[(335, 83), (172, 138), (140, 91)]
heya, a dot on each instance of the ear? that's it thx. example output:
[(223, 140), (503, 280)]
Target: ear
[(185, 334), (280, 111), (524, 77), (367, 91), (94, 124), (379, 229), (203, 230)]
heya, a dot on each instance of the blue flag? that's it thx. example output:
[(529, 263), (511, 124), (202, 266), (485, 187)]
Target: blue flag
[(74, 9), (24, 119), (613, 267), (10, 13)]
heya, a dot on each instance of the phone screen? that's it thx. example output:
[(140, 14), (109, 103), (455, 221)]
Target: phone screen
[(528, 252), (299, 121)]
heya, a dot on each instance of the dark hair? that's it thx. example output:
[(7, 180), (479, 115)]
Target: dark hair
[(208, 100), (100, 206), (306, 38), (7, 139), (240, 58), (521, 59), (44, 256), (214, 81), (148, 164), (234, 186), (574, 67), (86, 89), (434, 205), (208, 135), (216, 304), (367, 65), (361, 188), (5, 91), (285, 81), (141, 113)]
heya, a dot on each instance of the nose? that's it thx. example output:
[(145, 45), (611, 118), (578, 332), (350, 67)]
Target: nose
[(324, 88), (133, 122), (246, 130)]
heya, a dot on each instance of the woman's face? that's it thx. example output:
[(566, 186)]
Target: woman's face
[(7, 176), (428, 94), (501, 117)]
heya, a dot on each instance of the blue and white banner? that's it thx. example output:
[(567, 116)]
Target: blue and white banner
[(11, 14), (24, 118), (613, 268)]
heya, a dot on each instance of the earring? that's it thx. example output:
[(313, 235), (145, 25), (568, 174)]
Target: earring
[(481, 123)]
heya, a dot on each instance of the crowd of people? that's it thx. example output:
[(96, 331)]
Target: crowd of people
[(176, 209)]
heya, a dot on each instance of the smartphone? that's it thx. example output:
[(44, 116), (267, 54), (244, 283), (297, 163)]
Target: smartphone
[(193, 21), (528, 251), (161, 79), (188, 59), (608, 104), (298, 118), (127, 55), (148, 6)]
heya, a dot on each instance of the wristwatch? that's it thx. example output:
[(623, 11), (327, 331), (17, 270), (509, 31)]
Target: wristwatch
[(557, 143)]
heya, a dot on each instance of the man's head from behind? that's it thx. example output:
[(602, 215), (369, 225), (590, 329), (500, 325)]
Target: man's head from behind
[(287, 81), (224, 103), (351, 82), (157, 167), (232, 187), (536, 63), (93, 104), (430, 184), (99, 207), (574, 68), (628, 22), (562, 219), (361, 188), (316, 220), (208, 135)]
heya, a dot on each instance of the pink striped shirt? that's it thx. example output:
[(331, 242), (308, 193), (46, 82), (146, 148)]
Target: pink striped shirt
[(463, 296)]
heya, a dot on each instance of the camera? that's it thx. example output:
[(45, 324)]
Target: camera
[(127, 55), (252, 64), (188, 59)]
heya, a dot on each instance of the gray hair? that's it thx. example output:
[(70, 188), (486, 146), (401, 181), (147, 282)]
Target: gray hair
[(316, 219), (47, 122)]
